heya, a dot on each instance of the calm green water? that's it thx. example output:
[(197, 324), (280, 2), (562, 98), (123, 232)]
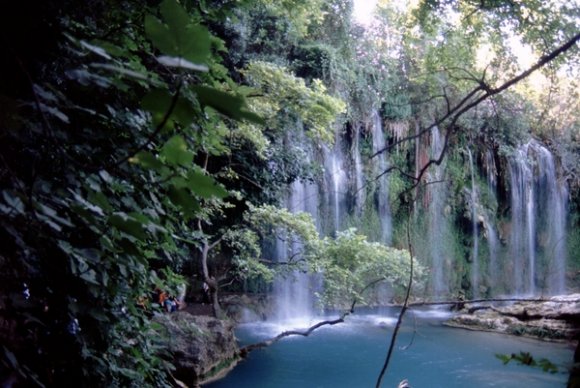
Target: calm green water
[(351, 355)]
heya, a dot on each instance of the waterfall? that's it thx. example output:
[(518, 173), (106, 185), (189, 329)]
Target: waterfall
[(436, 190), (475, 253), (522, 229), (491, 171), (335, 184), (493, 243), (493, 246), (552, 217), (358, 174), (293, 291), (384, 209), (538, 221)]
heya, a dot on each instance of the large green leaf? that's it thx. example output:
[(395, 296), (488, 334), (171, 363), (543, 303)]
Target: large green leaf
[(128, 224), (160, 35), (205, 186), (175, 152), (159, 102), (182, 198), (147, 160), (227, 104), (177, 35)]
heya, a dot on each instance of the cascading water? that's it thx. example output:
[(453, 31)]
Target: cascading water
[(437, 221), (491, 171), (475, 250), (522, 232), (493, 247), (552, 217), (538, 221), (358, 175), (335, 183), (384, 209), (493, 243), (293, 292)]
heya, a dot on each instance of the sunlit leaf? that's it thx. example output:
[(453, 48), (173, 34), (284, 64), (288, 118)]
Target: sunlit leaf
[(13, 201), (105, 176), (121, 70), (95, 49), (90, 276), (166, 60), (54, 112)]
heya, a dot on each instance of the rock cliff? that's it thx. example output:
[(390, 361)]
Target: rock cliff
[(201, 347)]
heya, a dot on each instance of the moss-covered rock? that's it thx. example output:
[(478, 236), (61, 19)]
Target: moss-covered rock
[(201, 347)]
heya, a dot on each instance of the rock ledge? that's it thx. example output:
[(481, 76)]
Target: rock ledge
[(555, 319)]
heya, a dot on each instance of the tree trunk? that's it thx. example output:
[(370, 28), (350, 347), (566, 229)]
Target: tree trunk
[(215, 304), (211, 282)]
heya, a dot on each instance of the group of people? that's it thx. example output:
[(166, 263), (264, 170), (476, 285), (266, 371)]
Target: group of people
[(168, 302)]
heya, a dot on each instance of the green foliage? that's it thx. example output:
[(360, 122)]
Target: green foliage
[(315, 61), (178, 36), (264, 225), (525, 358), (272, 223), (112, 141), (285, 95), (351, 265), (300, 13), (246, 249)]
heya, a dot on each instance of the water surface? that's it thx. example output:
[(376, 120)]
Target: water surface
[(427, 355)]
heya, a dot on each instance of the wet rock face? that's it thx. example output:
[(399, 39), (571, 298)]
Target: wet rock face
[(200, 346), (557, 318)]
